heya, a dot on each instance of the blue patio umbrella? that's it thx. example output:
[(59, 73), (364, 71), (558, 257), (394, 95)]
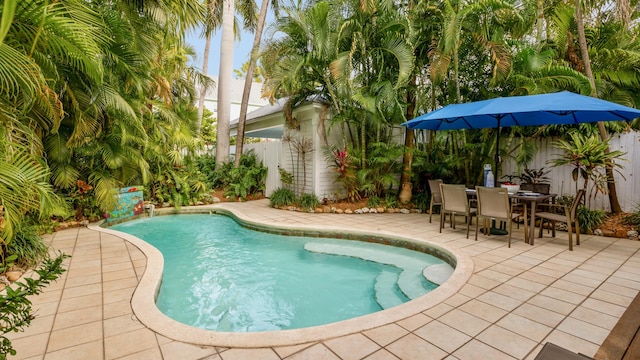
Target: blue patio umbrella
[(562, 108)]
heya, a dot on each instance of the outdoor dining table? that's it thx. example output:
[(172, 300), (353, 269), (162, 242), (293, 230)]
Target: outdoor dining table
[(533, 199)]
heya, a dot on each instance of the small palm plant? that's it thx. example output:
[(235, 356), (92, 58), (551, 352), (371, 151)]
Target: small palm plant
[(587, 155)]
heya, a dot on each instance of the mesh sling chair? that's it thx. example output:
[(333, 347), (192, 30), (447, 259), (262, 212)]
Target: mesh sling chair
[(494, 204), (562, 213), (436, 196), (454, 202)]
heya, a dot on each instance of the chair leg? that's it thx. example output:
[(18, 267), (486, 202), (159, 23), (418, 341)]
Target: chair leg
[(541, 226), (430, 211), (553, 229), (577, 232), (477, 225), (510, 230), (570, 237), (441, 221)]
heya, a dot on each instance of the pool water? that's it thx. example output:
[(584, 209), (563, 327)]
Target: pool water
[(221, 276)]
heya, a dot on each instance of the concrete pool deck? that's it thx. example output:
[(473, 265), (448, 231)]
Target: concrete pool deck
[(516, 299)]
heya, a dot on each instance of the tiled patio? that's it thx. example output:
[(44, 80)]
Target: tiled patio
[(517, 299)]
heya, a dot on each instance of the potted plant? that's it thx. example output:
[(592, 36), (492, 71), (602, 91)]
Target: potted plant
[(535, 180)]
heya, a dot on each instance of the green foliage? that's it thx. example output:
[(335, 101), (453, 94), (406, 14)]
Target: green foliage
[(282, 197), (590, 219), (247, 179), (308, 201), (27, 247), (391, 201), (535, 176), (286, 177), (421, 200), (178, 185), (633, 218), (374, 201), (16, 308)]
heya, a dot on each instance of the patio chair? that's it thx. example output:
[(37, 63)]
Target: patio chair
[(436, 197), (562, 213), (454, 202), (494, 204)]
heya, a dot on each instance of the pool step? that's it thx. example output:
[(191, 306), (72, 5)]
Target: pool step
[(411, 279), (387, 294)]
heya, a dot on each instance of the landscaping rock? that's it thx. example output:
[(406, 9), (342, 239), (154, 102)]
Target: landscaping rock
[(598, 232), (13, 275), (339, 211), (334, 210), (373, 211), (621, 233), (348, 211), (366, 210), (326, 209), (405, 211), (390, 211), (608, 233), (4, 280), (358, 211), (319, 210), (632, 234), (199, 203), (215, 200)]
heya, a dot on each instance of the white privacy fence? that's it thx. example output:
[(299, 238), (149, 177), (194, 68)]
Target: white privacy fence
[(627, 182)]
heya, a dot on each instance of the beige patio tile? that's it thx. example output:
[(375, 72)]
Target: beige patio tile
[(510, 271), (384, 335), (284, 351), (499, 300), (514, 292), (413, 347), (612, 296), (117, 308), (117, 267), (438, 310), (538, 314), (129, 343), (90, 350), (476, 350), (495, 275), (381, 354), (457, 300), (442, 336), (525, 327), (80, 302), (77, 317), (317, 351), (631, 284), (580, 280), (29, 346), (584, 330), (414, 322), (77, 335), (604, 307), (465, 322), (184, 351), (507, 341), (118, 274), (352, 347), (541, 270), (471, 291), (552, 304), (572, 343), (594, 317), (81, 291), (46, 296), (563, 295), (73, 273), (483, 310), (525, 284), (121, 324), (537, 278), (39, 325), (589, 274), (572, 287), (484, 282), (118, 295), (153, 354)]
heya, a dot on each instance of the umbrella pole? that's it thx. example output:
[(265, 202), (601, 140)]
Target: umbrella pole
[(497, 155)]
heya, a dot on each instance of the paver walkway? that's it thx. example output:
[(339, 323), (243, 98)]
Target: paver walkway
[(517, 299)]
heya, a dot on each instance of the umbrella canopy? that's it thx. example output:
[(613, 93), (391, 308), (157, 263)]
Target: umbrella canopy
[(562, 108)]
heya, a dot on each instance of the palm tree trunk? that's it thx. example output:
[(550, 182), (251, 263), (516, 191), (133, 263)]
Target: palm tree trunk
[(582, 39), (205, 69), (539, 21), (224, 84), (409, 139), (248, 81)]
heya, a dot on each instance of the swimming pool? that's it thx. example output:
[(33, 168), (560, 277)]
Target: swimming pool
[(240, 280)]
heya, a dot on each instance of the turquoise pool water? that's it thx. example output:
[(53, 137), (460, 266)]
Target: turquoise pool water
[(221, 276)]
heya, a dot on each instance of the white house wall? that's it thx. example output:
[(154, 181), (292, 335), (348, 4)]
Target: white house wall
[(627, 184)]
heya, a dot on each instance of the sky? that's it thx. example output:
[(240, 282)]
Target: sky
[(242, 49)]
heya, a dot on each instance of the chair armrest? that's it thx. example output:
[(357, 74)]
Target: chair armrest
[(552, 207)]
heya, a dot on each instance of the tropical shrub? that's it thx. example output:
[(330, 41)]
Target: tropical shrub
[(27, 247), (633, 218), (374, 201), (590, 219), (16, 307), (421, 200), (282, 197), (308, 201)]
